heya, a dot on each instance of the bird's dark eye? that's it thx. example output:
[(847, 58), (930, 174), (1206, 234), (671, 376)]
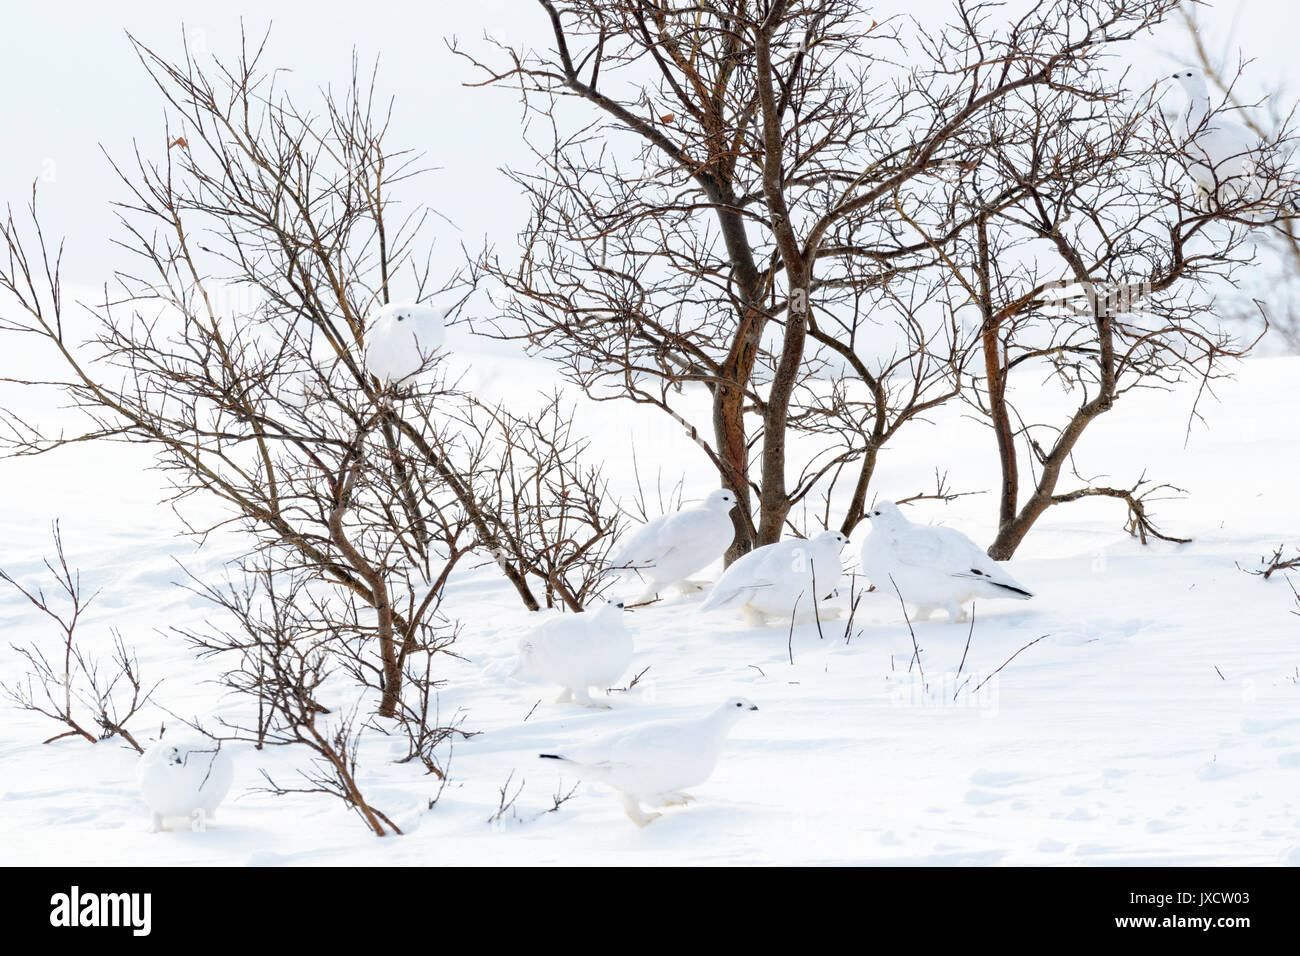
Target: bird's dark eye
[(739, 704)]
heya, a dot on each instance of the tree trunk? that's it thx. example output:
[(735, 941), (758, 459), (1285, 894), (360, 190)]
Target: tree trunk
[(774, 503), (858, 503), (392, 670), (1012, 532), (729, 396), (995, 371)]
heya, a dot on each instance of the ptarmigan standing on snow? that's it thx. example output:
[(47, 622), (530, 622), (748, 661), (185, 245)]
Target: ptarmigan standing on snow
[(1223, 152), (400, 338), (776, 580), (655, 762), (578, 651), (931, 567), (670, 548), (184, 779)]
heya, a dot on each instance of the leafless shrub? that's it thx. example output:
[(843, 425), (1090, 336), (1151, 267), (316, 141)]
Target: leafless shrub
[(827, 223), (506, 803), (632, 683), (640, 509), (290, 651), (820, 219), (855, 598), (560, 797), (916, 648), (1096, 275), (507, 808), (1279, 560), (554, 520), (333, 770), (1138, 499), (232, 346), (997, 670), (71, 686), (1279, 252)]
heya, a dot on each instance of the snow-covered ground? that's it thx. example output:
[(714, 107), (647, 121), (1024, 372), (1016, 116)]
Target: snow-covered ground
[(1158, 721)]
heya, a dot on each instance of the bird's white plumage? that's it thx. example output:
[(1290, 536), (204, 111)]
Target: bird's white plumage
[(578, 652), (1222, 154), (400, 338), (776, 580), (182, 778), (655, 762), (931, 567), (668, 549)]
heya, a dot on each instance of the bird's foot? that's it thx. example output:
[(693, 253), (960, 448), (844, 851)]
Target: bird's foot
[(690, 587), (586, 700), (632, 807), (755, 618), (675, 799), (565, 697), (958, 615)]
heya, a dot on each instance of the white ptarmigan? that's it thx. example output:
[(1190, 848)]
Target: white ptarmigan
[(668, 549), (578, 651), (655, 762), (776, 580), (931, 567), (184, 778), (1222, 153), (400, 338)]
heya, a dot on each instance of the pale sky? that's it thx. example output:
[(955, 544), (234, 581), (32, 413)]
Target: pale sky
[(73, 84)]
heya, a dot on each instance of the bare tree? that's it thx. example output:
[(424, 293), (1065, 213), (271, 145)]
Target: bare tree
[(1098, 278), (736, 216), (553, 520), (262, 235), (286, 646), (71, 686), (1269, 117)]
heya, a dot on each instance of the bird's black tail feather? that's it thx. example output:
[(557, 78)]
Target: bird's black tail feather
[(1013, 589), (552, 757)]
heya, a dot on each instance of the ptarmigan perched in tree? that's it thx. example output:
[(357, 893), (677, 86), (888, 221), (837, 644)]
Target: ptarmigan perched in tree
[(1222, 153), (656, 762), (669, 549), (931, 567), (400, 339), (777, 580), (578, 652)]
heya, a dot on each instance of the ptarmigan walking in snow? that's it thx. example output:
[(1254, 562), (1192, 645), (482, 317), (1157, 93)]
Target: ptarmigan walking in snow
[(184, 779), (655, 762), (1222, 152), (578, 651), (670, 548), (931, 567), (400, 338), (776, 580)]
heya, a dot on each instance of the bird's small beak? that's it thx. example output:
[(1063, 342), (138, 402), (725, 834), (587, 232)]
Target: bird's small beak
[(753, 707)]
